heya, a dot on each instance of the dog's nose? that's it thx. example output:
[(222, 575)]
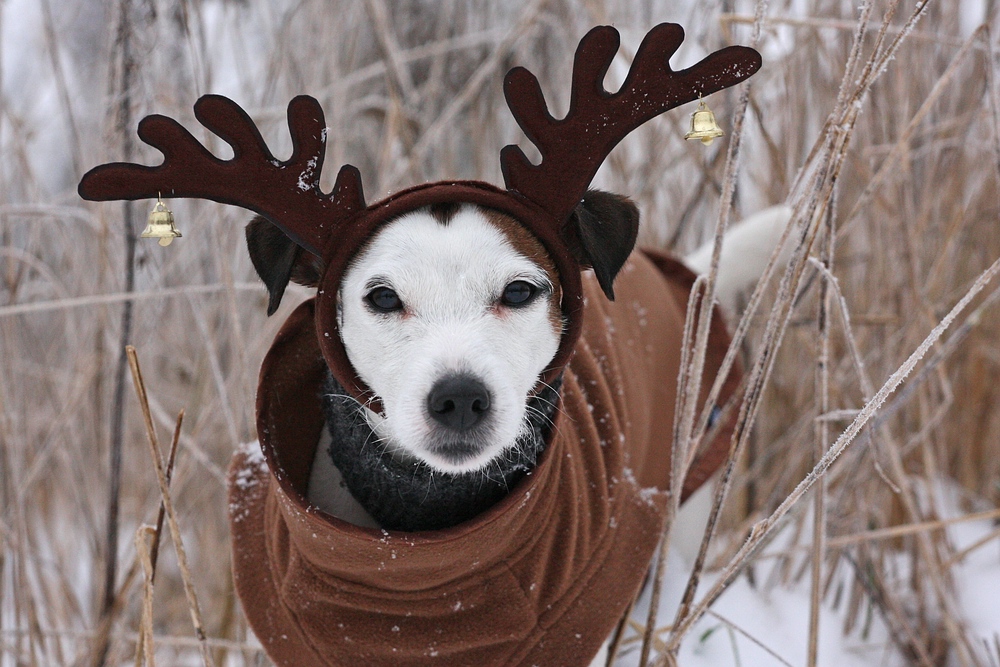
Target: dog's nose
[(458, 401)]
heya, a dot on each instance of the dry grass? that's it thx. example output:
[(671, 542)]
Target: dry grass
[(894, 173)]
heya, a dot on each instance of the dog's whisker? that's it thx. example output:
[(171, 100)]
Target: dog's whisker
[(430, 484), (413, 475), (540, 415), (375, 439), (549, 386)]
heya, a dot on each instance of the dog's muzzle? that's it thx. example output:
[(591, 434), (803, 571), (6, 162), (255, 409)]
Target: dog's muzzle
[(460, 405)]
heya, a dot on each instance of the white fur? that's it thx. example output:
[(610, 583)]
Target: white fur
[(746, 248), (328, 490), (450, 278)]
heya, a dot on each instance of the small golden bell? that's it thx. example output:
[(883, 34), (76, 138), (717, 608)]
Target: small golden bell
[(160, 224), (703, 125)]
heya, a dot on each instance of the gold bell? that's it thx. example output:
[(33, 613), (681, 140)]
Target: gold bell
[(703, 125), (160, 224)]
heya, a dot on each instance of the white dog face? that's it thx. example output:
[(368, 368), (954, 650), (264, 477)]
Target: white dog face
[(450, 314)]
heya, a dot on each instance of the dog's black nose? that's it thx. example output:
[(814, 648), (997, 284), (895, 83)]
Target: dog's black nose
[(458, 401)]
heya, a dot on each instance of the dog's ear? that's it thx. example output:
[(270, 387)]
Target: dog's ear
[(601, 233), (279, 259)]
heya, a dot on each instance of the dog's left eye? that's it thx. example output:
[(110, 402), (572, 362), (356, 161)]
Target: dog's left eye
[(518, 293), (385, 299)]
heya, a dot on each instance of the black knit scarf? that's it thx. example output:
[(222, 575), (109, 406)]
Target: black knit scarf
[(409, 495)]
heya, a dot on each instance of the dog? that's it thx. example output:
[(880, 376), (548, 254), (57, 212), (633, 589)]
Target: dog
[(450, 314), (464, 444)]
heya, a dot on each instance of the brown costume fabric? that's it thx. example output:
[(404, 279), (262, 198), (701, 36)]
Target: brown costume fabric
[(540, 578)]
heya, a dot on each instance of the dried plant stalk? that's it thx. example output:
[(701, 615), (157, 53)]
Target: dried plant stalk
[(175, 532), (822, 444), (412, 94), (154, 548), (763, 528), (145, 652)]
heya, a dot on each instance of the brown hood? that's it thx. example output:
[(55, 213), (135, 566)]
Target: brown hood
[(541, 577)]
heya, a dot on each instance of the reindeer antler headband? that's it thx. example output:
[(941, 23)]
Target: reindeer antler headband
[(334, 226)]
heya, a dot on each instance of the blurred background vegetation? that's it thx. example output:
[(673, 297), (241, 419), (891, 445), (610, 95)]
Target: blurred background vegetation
[(412, 92)]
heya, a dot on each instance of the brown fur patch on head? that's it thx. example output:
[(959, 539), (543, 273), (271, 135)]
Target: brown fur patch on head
[(443, 212), (528, 245)]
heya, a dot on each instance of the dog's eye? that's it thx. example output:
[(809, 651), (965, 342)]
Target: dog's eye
[(384, 299), (518, 293)]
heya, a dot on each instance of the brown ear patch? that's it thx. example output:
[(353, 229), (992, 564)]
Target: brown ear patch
[(528, 245)]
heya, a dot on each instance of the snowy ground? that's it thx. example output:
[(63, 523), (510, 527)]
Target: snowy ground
[(768, 625), (761, 626)]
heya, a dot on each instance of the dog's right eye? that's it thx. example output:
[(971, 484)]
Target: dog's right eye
[(518, 293), (384, 299)]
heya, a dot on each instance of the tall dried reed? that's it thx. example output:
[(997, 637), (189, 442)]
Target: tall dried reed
[(879, 125)]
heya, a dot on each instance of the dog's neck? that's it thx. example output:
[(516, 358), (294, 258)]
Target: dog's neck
[(402, 493)]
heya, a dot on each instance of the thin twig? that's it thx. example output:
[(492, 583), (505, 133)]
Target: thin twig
[(619, 633), (123, 128), (908, 529), (171, 459), (959, 556), (175, 533), (122, 297), (686, 437), (750, 637), (144, 650), (822, 434), (763, 528), (65, 97), (695, 301)]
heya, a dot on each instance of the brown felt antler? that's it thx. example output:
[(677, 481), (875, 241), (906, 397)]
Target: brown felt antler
[(335, 226), (286, 193), (573, 148)]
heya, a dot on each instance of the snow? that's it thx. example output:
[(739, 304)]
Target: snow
[(768, 625), (759, 627), (246, 478)]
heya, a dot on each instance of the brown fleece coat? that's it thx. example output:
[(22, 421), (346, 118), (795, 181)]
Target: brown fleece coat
[(540, 578)]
